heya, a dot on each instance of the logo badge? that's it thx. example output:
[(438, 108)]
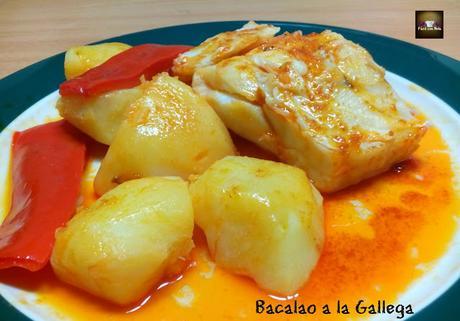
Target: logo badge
[(429, 24)]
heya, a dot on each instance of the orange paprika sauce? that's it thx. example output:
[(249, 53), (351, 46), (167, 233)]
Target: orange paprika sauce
[(380, 236)]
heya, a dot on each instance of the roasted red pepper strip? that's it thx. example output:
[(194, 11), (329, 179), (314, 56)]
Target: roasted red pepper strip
[(47, 164), (123, 70)]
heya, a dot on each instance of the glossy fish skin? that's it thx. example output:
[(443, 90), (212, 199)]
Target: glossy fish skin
[(324, 101), (220, 47), (168, 131)]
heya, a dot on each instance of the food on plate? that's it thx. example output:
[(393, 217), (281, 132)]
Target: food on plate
[(79, 60), (47, 165), (169, 131), (262, 219), (220, 47), (319, 102), (128, 240), (96, 101)]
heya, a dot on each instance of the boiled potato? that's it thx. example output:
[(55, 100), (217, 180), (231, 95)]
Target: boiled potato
[(261, 219), (169, 131), (79, 60), (99, 116), (123, 244)]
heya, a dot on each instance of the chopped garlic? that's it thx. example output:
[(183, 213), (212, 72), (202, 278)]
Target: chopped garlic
[(419, 177), (362, 211), (424, 267), (210, 272), (185, 296)]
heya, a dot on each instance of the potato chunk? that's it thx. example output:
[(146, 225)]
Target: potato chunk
[(262, 219), (99, 116), (169, 131), (79, 60), (123, 244)]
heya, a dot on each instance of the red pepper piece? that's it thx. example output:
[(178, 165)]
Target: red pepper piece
[(123, 70), (48, 163)]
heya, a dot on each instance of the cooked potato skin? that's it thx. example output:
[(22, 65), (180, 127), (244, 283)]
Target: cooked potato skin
[(262, 219), (169, 131), (99, 116), (79, 60), (123, 244)]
